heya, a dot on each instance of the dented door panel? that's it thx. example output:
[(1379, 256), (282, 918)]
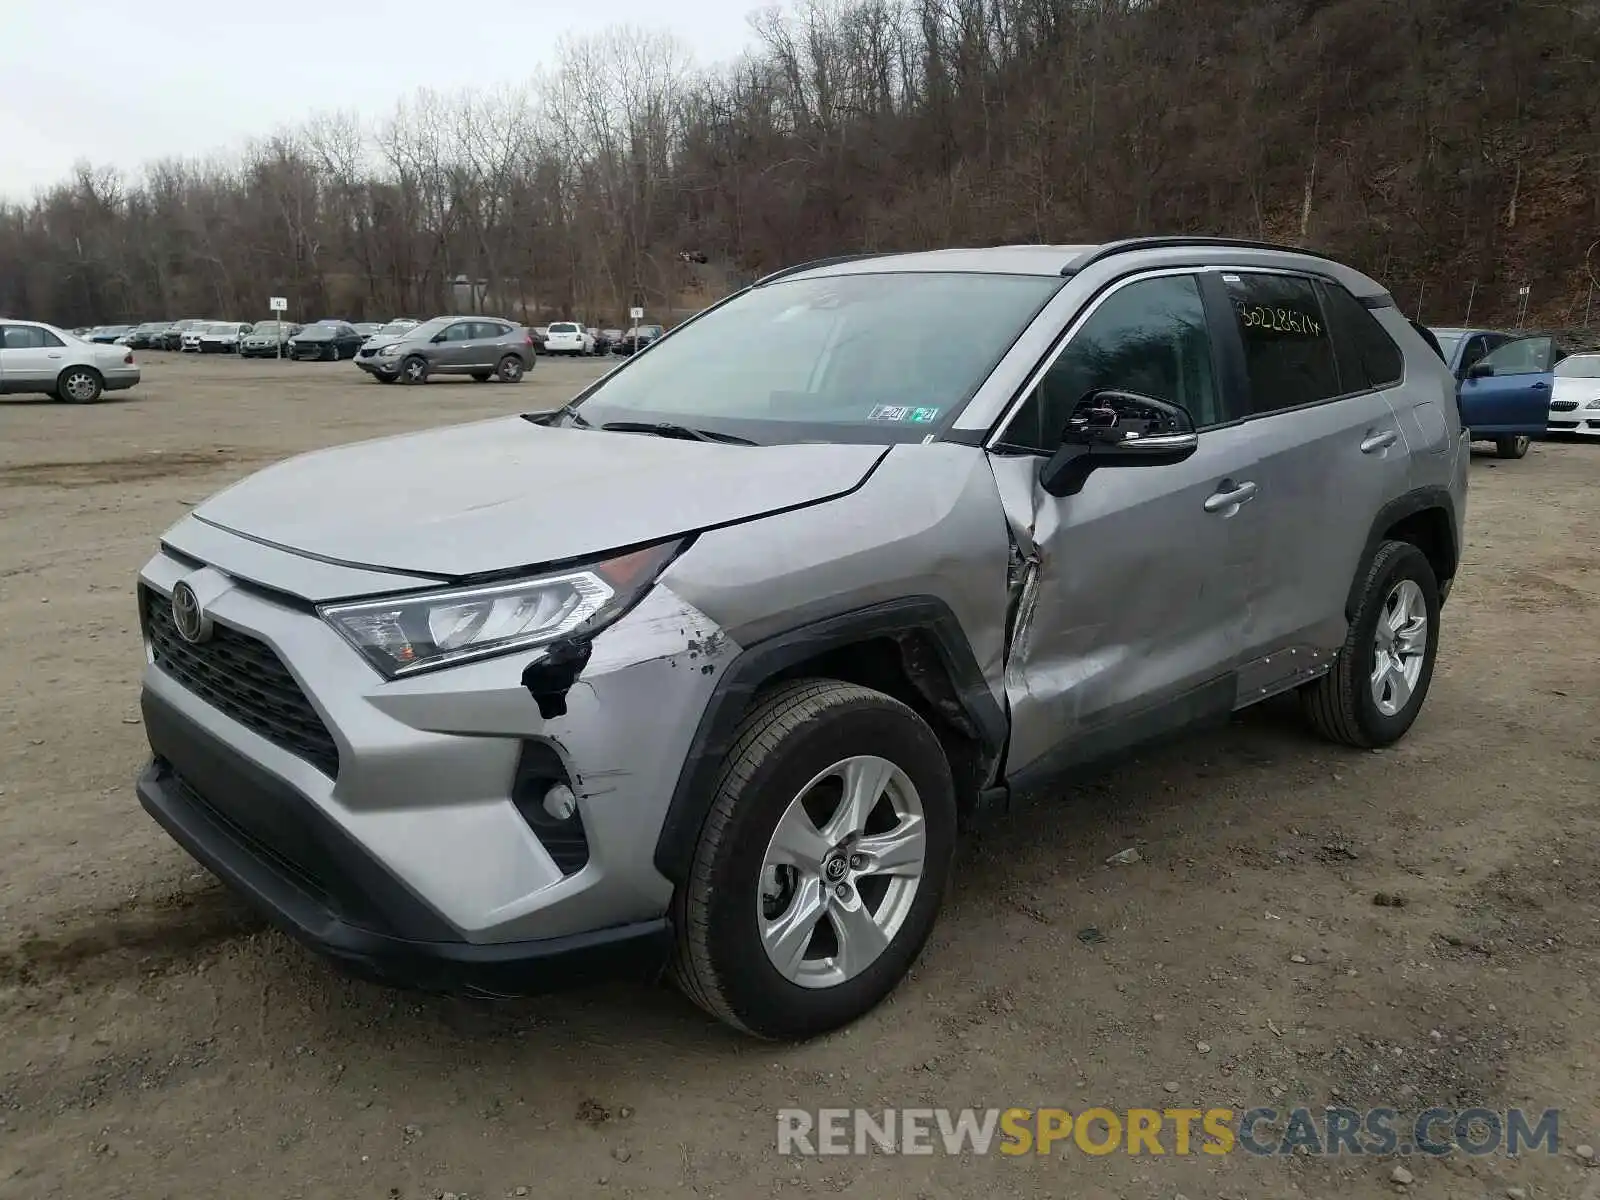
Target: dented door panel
[(1129, 594)]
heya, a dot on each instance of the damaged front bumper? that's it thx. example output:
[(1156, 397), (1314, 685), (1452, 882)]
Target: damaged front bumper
[(436, 830)]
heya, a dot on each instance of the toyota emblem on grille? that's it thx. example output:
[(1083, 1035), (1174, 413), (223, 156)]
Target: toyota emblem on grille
[(191, 620)]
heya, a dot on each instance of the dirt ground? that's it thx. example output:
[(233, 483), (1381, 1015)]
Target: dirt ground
[(157, 1041)]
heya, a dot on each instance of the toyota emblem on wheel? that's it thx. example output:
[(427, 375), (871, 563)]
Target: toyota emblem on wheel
[(192, 622)]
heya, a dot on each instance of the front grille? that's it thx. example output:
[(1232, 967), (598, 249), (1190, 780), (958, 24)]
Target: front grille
[(241, 677), (1563, 405)]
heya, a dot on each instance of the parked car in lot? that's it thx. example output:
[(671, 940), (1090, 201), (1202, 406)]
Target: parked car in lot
[(1575, 395), (367, 328), (331, 340), (482, 347), (107, 335), (209, 337), (223, 337), (640, 337), (171, 338), (568, 337), (144, 337), (978, 518), (35, 357), (394, 329), (606, 340), (267, 338), (1503, 382)]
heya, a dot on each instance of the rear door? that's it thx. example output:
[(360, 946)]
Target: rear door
[(1332, 453), (486, 343), (1514, 397)]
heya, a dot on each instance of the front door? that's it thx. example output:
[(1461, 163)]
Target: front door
[(1515, 397), (30, 358), (1130, 594)]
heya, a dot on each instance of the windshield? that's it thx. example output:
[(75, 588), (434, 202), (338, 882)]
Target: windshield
[(315, 333), (868, 358), (1579, 366)]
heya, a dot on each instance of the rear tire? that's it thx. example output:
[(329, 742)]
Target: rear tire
[(509, 369), (79, 385), (414, 369), (1512, 446), (849, 945), (1353, 703)]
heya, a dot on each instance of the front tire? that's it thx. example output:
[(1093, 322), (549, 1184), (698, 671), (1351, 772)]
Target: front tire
[(1380, 679), (1512, 446), (414, 369), (79, 385), (822, 864)]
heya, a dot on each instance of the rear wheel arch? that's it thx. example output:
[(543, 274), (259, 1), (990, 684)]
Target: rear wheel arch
[(912, 649), (1424, 517)]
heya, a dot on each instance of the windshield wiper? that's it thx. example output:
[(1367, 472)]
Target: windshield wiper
[(668, 430), (554, 415)]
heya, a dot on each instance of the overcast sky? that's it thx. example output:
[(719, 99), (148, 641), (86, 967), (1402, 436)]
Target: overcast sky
[(121, 84)]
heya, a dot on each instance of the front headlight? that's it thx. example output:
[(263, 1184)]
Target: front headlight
[(388, 351), (401, 635), (1595, 403)]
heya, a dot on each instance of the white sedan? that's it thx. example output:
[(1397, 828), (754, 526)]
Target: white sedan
[(568, 337), (1575, 395), (35, 357)]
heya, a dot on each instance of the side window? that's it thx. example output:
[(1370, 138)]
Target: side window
[(23, 337), (492, 330), (1148, 337), (1524, 356), (1287, 349), (461, 331), (1477, 347), (1368, 358)]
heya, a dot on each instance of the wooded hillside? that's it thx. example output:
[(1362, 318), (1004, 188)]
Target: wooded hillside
[(1446, 146)]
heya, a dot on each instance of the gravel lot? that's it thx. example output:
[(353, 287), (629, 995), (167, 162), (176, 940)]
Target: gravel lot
[(157, 1040)]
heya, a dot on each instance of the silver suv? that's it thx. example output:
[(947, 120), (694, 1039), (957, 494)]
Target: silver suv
[(705, 670), (483, 347)]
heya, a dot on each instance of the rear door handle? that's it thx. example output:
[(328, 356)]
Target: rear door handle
[(1378, 441), (1224, 501)]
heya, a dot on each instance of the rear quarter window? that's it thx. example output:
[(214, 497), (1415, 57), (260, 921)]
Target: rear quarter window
[(1368, 358)]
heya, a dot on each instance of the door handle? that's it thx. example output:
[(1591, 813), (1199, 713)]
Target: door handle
[(55, 356), (1222, 501), (1540, 386), (1374, 442)]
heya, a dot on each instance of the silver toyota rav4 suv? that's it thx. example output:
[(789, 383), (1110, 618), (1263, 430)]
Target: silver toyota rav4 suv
[(705, 670)]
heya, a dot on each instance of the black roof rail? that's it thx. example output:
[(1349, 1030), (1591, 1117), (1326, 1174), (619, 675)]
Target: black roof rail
[(815, 263), (1179, 241)]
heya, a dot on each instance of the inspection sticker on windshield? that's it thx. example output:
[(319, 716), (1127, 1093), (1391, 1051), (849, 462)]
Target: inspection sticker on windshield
[(897, 412)]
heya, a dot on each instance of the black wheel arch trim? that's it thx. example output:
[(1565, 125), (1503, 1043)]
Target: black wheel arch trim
[(758, 664), (1408, 504)]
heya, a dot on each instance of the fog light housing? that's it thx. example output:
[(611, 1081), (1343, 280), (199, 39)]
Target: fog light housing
[(543, 795)]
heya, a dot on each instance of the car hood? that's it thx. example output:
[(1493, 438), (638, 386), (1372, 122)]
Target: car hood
[(506, 493), (376, 342)]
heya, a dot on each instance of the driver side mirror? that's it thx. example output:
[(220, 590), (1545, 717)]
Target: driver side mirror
[(436, 338), (1118, 429), (1480, 370)]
